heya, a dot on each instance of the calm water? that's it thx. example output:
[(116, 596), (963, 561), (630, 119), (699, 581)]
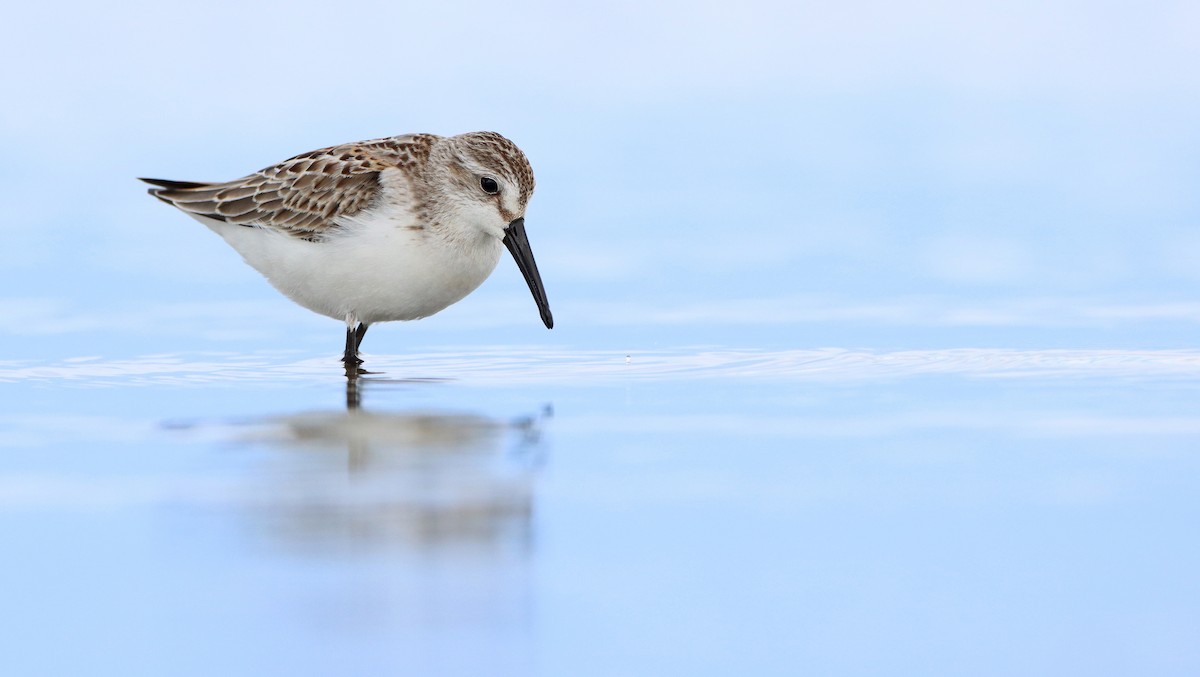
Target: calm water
[(531, 511)]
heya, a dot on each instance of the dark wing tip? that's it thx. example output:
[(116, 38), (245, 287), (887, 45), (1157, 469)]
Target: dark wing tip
[(166, 183)]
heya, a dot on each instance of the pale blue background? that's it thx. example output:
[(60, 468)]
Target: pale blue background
[(970, 167), (911, 294)]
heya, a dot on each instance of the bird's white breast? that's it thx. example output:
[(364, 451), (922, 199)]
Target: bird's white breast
[(381, 266)]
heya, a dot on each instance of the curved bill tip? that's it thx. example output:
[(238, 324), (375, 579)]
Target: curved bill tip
[(518, 246)]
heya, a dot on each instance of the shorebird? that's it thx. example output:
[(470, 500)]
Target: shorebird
[(376, 231)]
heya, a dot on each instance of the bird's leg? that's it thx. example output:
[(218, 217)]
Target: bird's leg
[(354, 336), (359, 334), (350, 356), (355, 331)]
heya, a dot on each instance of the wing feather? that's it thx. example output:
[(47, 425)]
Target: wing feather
[(304, 196)]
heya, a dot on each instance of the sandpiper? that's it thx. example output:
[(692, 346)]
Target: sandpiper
[(376, 231)]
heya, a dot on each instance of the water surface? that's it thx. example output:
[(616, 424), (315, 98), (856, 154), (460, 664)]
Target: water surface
[(535, 511)]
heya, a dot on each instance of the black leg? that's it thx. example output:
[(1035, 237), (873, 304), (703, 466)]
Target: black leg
[(353, 338), (358, 336), (350, 357)]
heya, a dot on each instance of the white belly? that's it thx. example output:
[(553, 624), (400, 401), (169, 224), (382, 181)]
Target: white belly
[(377, 273)]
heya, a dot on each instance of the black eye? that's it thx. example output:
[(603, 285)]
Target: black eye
[(489, 185)]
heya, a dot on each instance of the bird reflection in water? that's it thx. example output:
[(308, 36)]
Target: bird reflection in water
[(422, 478)]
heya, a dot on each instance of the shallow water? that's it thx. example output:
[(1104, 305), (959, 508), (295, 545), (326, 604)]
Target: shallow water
[(532, 511)]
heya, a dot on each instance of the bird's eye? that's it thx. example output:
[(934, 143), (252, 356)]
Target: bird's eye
[(489, 185)]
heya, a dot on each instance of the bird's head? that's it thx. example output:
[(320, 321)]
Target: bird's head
[(483, 185)]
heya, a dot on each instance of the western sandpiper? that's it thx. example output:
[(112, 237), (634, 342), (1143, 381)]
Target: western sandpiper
[(376, 231)]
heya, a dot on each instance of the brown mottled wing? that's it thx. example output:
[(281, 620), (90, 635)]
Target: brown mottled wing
[(303, 196)]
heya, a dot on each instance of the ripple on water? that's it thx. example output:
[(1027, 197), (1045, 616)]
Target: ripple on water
[(529, 365)]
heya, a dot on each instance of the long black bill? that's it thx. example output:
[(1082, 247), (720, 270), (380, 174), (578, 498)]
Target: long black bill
[(518, 245)]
